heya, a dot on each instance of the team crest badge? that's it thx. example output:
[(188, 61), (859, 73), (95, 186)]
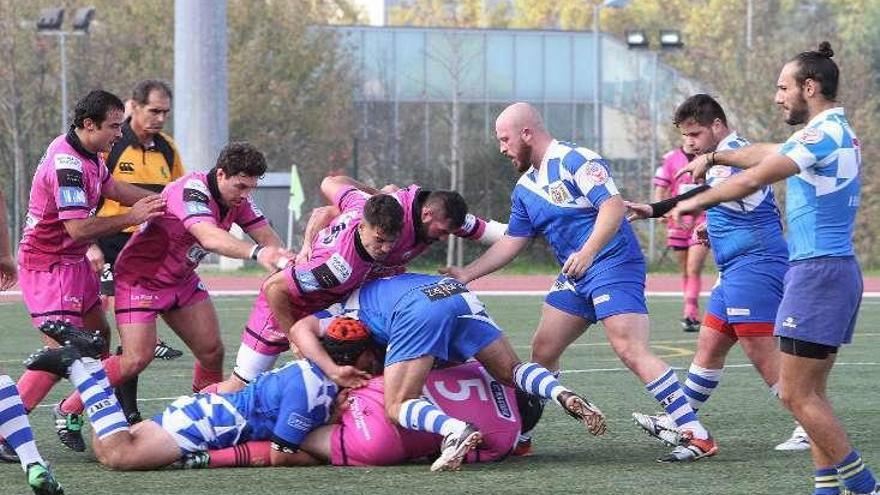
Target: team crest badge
[(559, 193), (811, 135), (598, 173)]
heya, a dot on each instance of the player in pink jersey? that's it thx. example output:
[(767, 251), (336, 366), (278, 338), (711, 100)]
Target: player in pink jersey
[(155, 274), (342, 256), (429, 216), (56, 279), (691, 254), (364, 436)]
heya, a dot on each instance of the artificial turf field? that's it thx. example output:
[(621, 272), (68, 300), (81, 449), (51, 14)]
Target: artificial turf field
[(742, 415)]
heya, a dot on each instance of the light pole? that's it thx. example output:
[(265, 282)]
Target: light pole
[(49, 24), (597, 68), (669, 39)]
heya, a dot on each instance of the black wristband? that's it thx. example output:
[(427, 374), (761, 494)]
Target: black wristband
[(661, 208), (255, 252)]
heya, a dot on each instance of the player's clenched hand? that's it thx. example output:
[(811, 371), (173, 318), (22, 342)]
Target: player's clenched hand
[(455, 272), (8, 272), (272, 258), (146, 208), (683, 209), (96, 258), (637, 211), (577, 264), (349, 376), (697, 168)]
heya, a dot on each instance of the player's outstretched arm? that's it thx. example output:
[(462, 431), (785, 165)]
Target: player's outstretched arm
[(124, 193), (92, 228), (773, 168), (500, 254), (219, 241), (746, 157), (330, 186)]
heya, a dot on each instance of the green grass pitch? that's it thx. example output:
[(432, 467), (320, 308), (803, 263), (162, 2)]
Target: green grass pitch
[(742, 415)]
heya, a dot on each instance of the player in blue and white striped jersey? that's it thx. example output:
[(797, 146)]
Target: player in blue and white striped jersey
[(282, 405), (823, 286), (567, 194), (752, 258)]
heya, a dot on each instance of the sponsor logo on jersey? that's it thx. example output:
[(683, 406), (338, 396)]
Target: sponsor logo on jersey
[(597, 173), (739, 312), (195, 207), (559, 193), (500, 400), (71, 196), (126, 168), (811, 135), (197, 185), (789, 322), (340, 268), (65, 161), (69, 177), (601, 299), (443, 290), (299, 422), (73, 302), (306, 280)]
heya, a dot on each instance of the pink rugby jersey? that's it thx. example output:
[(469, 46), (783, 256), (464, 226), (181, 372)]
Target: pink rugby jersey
[(366, 437), (163, 252), (67, 185), (339, 263), (408, 244)]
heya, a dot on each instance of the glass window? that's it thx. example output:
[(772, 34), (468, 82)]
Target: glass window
[(584, 67), (499, 66), (378, 69), (558, 67), (410, 62), (529, 67)]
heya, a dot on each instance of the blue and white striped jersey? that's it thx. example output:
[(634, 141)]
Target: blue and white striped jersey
[(822, 200), (561, 201), (746, 228), (285, 404)]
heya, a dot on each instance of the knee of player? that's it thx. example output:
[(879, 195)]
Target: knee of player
[(136, 360), (212, 355)]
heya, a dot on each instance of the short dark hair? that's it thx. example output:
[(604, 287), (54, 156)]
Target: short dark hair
[(95, 106), (384, 212), (141, 92), (451, 204), (701, 108), (241, 158), (818, 66)]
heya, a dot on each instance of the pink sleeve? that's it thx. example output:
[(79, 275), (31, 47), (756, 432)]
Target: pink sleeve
[(350, 198), (67, 183), (662, 177), (190, 204), (249, 217), (472, 228)]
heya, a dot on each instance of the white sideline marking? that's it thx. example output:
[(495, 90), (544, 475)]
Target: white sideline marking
[(564, 372), (254, 293)]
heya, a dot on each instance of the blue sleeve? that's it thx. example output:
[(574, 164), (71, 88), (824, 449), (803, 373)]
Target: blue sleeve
[(519, 225), (808, 147), (296, 419)]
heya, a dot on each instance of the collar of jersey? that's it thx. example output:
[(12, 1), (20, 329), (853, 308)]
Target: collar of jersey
[(823, 115), (214, 189), (76, 144)]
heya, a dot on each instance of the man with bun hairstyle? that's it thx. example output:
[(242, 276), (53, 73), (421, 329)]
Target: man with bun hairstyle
[(823, 287)]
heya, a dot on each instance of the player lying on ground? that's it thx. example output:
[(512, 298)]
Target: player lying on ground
[(281, 406), (423, 319), (364, 436)]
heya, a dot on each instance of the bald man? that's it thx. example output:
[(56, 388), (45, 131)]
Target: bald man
[(567, 194)]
